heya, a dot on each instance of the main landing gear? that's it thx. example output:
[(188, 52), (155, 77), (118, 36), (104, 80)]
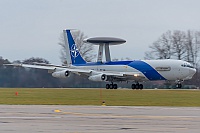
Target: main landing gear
[(133, 86), (111, 86), (137, 86)]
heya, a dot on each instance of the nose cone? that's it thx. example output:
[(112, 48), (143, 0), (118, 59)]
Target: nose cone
[(191, 73)]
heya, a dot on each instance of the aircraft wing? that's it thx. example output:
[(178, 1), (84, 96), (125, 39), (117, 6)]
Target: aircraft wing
[(53, 68), (61, 70)]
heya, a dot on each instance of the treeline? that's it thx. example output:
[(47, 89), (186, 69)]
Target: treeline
[(181, 45), (26, 77)]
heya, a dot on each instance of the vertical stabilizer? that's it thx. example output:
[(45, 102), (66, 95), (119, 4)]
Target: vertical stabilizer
[(73, 54)]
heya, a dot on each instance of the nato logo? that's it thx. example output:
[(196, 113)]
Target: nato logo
[(74, 51)]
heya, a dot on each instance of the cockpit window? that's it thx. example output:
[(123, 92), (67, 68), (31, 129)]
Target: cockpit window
[(187, 65)]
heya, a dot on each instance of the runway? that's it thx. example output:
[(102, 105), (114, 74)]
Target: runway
[(100, 119)]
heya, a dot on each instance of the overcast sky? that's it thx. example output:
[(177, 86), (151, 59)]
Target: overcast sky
[(31, 28)]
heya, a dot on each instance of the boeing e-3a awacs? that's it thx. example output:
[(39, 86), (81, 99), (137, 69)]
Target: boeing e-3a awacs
[(135, 71)]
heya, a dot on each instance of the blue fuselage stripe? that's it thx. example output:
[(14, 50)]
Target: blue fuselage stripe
[(147, 70)]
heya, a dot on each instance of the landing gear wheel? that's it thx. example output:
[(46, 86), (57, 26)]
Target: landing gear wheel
[(111, 86), (178, 85), (133, 86), (115, 86), (107, 86), (137, 86), (141, 86)]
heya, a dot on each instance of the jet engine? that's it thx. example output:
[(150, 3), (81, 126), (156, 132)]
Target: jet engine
[(99, 77), (61, 74)]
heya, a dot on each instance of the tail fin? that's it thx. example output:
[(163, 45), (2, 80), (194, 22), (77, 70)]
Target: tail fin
[(73, 54)]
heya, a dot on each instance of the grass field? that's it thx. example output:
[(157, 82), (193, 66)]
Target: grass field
[(39, 96)]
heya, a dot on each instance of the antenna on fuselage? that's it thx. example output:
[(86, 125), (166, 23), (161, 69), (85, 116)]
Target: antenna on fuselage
[(104, 43)]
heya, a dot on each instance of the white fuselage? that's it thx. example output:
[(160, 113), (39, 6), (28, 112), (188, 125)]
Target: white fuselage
[(151, 69)]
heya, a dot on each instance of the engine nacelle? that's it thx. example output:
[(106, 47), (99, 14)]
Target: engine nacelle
[(61, 74), (99, 77)]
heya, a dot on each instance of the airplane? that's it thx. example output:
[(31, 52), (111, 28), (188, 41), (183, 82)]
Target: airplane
[(135, 71)]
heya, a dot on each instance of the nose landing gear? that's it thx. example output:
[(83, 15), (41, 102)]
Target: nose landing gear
[(178, 83)]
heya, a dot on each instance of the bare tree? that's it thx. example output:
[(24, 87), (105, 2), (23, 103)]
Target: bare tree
[(3, 61), (178, 45), (192, 46), (86, 50), (178, 42), (162, 48)]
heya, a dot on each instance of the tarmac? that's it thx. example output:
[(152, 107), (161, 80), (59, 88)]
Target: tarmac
[(99, 119)]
